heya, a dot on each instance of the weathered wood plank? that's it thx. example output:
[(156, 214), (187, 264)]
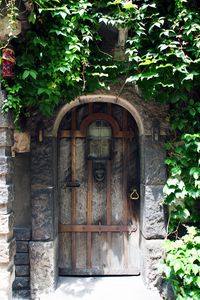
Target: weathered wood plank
[(96, 228), (79, 134)]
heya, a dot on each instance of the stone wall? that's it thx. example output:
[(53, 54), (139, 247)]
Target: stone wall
[(43, 248), (7, 242), (21, 179), (21, 284)]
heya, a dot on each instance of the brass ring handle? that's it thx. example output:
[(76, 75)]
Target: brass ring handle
[(134, 195)]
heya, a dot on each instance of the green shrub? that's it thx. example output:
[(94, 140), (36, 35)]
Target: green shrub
[(182, 265)]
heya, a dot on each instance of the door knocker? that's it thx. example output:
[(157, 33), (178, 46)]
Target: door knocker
[(134, 195), (99, 173)]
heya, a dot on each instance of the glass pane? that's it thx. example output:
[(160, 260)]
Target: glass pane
[(100, 129), (100, 134)]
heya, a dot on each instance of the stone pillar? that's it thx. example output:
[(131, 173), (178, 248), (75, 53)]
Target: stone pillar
[(43, 260), (153, 231), (7, 242), (43, 248)]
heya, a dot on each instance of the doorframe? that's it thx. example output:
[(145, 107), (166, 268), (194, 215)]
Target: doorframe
[(152, 179), (117, 132), (98, 98)]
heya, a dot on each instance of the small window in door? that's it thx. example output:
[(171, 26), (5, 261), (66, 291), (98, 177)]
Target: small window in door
[(99, 140)]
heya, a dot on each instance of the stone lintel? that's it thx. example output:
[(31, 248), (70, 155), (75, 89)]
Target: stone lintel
[(153, 224), (43, 267)]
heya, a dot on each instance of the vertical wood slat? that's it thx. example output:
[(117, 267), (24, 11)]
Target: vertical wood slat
[(73, 216), (90, 108), (124, 187), (108, 203), (109, 105), (89, 214), (109, 213)]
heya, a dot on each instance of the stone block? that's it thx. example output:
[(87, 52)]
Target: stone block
[(6, 193), (6, 165), (22, 233), (22, 271), (22, 246), (42, 163), (153, 155), (43, 262), (6, 280), (6, 137), (7, 251), (151, 254), (21, 259), (22, 294), (21, 283), (42, 214), (5, 296), (6, 223), (152, 212), (6, 208), (5, 151), (5, 118)]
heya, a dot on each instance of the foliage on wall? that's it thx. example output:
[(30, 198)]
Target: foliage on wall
[(60, 57)]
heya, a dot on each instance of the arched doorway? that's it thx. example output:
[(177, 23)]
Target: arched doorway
[(98, 169)]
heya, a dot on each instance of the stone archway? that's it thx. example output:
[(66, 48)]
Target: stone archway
[(44, 244), (98, 168)]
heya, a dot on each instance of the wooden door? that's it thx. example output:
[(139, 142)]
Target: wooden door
[(98, 224)]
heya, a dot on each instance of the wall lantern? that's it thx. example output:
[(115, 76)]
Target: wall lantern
[(8, 63), (156, 130), (99, 147)]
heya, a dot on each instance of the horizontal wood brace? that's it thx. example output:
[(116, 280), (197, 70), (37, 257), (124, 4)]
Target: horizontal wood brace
[(96, 228), (79, 134)]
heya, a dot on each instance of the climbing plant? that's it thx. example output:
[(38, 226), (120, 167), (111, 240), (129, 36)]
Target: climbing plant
[(8, 21), (60, 57)]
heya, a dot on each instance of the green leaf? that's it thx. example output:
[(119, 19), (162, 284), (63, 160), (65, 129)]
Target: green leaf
[(163, 47), (33, 74), (177, 265), (190, 76), (25, 74), (176, 171), (63, 14)]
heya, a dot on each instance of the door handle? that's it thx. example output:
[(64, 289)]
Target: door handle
[(134, 195)]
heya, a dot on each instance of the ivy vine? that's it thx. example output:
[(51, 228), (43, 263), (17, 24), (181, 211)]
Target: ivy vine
[(60, 57)]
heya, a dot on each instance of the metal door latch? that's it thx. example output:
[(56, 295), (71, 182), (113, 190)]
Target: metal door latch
[(70, 184), (134, 195)]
